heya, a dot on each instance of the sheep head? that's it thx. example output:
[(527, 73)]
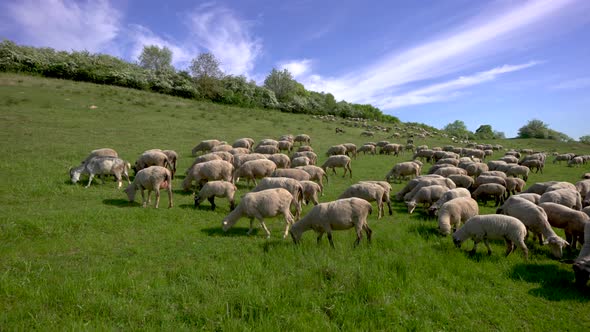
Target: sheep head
[(411, 206), (556, 244)]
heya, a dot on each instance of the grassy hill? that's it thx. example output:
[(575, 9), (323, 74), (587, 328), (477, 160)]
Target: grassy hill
[(76, 258)]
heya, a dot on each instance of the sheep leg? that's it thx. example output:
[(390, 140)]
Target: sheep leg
[(157, 190), (320, 235), (90, 180), (212, 201), (487, 243), (251, 226), (330, 239), (119, 180), (265, 228), (475, 243), (509, 246), (369, 232), (143, 201), (525, 250), (389, 207)]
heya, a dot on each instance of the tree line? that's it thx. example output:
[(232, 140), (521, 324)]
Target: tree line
[(204, 80), (533, 129)]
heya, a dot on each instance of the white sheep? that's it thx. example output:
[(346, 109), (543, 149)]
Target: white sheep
[(172, 159), (350, 149), (338, 161), (245, 143), (535, 219), (303, 139), (205, 146), (462, 181), (447, 196), (451, 170), (236, 151), (455, 211), (403, 169), (300, 161), (336, 150), (514, 185), (341, 214), (292, 185), (103, 152), (293, 173), (530, 196), (280, 159), (224, 147), (208, 171), (240, 159), (540, 187), (575, 162), (313, 158), (493, 227), (581, 265), (151, 158), (476, 169), (566, 197), (371, 192), (370, 148), (254, 169), (214, 189), (260, 205), (487, 190), (151, 178), (387, 192), (310, 192), (414, 185), (285, 145), (267, 149), (518, 170), (101, 166), (315, 174), (426, 195), (570, 220)]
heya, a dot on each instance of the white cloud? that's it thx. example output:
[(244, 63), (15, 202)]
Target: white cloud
[(64, 25), (218, 30), (577, 83), (296, 67)]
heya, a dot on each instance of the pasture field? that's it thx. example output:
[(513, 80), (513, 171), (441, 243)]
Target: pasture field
[(85, 259)]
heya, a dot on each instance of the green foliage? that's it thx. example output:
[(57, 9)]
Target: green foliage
[(155, 58), (206, 65), (457, 129), (585, 139), (538, 129), (281, 82)]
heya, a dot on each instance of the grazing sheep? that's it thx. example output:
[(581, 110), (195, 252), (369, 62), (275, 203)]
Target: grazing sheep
[(424, 180), (540, 187), (482, 179), (509, 159), (487, 190), (370, 148), (302, 139), (285, 146), (561, 185), (350, 149), (203, 158), (476, 169), (530, 196), (208, 171), (425, 154), (103, 152), (391, 148), (371, 192), (446, 171), (268, 141), (225, 155), (535, 220), (172, 159), (367, 133), (151, 158), (240, 159), (313, 158), (281, 160), (222, 148), (310, 192), (514, 185), (495, 173), (292, 185), (447, 196), (518, 170), (300, 161), (462, 181), (151, 178), (205, 146), (581, 265), (586, 176), (436, 167), (575, 162), (451, 161), (267, 149), (245, 143), (101, 166), (494, 164), (315, 174), (304, 148), (236, 151), (426, 195), (260, 205), (387, 187), (455, 211), (566, 197), (336, 150), (493, 227), (254, 169), (219, 189), (341, 214), (572, 221), (293, 173), (535, 164), (287, 137), (401, 170), (338, 161)]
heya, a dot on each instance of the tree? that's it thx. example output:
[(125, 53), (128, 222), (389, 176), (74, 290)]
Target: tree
[(155, 58), (206, 65), (585, 139), (534, 129), (457, 129), (484, 132), (281, 83)]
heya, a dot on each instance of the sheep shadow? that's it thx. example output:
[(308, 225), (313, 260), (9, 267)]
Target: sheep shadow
[(120, 203), (275, 243), (555, 282), (181, 192), (232, 232), (425, 231)]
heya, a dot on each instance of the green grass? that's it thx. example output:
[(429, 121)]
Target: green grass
[(76, 258)]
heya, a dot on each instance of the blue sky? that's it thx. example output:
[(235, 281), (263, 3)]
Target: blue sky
[(500, 63)]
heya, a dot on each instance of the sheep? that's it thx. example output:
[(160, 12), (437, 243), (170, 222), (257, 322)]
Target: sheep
[(285, 146), (267, 149), (370, 148), (535, 219), (151, 178), (240, 159), (101, 166), (534, 164), (561, 185), (371, 192), (224, 155), (236, 151), (455, 211), (287, 137), (387, 187), (530, 196), (566, 197), (260, 205), (303, 139), (422, 181), (315, 174), (304, 148), (425, 154), (391, 148), (300, 161), (436, 167), (509, 159), (310, 192), (151, 158), (562, 157), (268, 141), (494, 164), (254, 169), (103, 152), (495, 173), (540, 187), (213, 189), (293, 173), (172, 159), (476, 169), (446, 171), (426, 195), (245, 143), (572, 221), (462, 181), (514, 185), (338, 161), (350, 148), (447, 196), (224, 147), (313, 158), (586, 210), (336, 215), (494, 190), (488, 179), (452, 161), (292, 185), (208, 171), (581, 264), (408, 168), (575, 162), (518, 170), (280, 159), (586, 176), (205, 146), (203, 158), (367, 133), (490, 227), (336, 150)]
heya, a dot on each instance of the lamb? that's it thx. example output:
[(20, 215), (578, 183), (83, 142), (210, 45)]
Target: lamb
[(103, 152), (535, 220), (315, 174), (310, 192), (371, 192), (219, 189), (300, 161), (581, 265), (336, 215), (281, 160), (486, 190), (447, 196), (455, 211), (260, 205), (408, 168), (293, 173), (566, 197), (426, 195), (151, 158), (151, 178), (292, 185), (490, 227), (205, 146), (208, 171), (462, 181), (101, 166), (572, 221), (254, 169), (338, 161), (336, 150)]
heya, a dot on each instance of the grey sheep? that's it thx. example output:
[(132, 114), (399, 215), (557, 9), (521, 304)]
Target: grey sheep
[(493, 227), (462, 181), (338, 161), (455, 211), (310, 192), (535, 164), (447, 196), (370, 148), (426, 195), (371, 192), (570, 220), (293, 173), (267, 149), (205, 146), (341, 214), (300, 161), (490, 190), (152, 178), (514, 185), (219, 189), (566, 197), (208, 171), (102, 166), (530, 196), (254, 169), (315, 174), (280, 159)]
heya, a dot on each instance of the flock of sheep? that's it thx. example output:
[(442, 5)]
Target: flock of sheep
[(451, 189)]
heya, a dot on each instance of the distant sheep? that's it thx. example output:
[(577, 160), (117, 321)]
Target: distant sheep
[(425, 180), (303, 139), (219, 189), (152, 178), (350, 150), (367, 148), (338, 161)]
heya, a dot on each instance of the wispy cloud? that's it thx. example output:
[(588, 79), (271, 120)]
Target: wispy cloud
[(578, 83), (64, 25), (296, 67), (221, 32)]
